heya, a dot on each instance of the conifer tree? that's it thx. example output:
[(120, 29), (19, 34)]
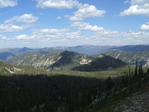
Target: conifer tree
[(140, 70), (136, 70)]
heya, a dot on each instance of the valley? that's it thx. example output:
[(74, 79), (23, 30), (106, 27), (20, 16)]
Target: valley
[(68, 81)]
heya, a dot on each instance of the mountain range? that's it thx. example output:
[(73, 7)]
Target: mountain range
[(52, 61), (66, 60), (59, 58), (90, 50)]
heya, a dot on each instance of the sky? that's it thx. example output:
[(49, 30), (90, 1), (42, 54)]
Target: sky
[(50, 23)]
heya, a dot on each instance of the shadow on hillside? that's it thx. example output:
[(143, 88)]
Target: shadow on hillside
[(44, 93), (103, 63)]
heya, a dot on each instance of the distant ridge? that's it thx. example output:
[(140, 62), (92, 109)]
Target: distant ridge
[(58, 60), (6, 55), (89, 50), (66, 60), (132, 48), (129, 57)]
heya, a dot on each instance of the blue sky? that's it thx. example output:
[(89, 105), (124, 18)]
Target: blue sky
[(48, 23)]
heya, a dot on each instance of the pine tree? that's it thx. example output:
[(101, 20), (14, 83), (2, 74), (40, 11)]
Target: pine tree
[(109, 84), (140, 70), (136, 70)]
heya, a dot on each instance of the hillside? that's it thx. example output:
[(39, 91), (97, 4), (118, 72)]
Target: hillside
[(59, 60), (8, 69), (136, 101), (102, 62), (129, 57)]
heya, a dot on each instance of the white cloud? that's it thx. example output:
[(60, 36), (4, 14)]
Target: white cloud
[(145, 26), (61, 4), (134, 2), (55, 34), (4, 37), (25, 37), (138, 7), (25, 18), (86, 11), (73, 35), (4, 28), (8, 25), (49, 33), (7, 3), (127, 1), (56, 37), (59, 17), (86, 26)]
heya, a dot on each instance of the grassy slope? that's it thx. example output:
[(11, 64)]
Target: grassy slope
[(99, 74)]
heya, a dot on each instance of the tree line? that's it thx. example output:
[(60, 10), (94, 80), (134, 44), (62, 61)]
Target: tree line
[(43, 93)]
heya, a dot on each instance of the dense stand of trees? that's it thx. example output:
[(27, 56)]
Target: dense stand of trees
[(42, 93), (47, 94)]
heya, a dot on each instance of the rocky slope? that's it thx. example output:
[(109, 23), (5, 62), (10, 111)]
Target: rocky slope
[(59, 60), (137, 101), (66, 60), (6, 68), (129, 57), (9, 69)]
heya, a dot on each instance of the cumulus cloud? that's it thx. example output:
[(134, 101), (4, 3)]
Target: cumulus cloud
[(87, 11), (25, 37), (86, 26), (145, 26), (84, 10), (4, 28), (9, 25), (25, 18), (55, 33), (7, 3), (49, 32), (138, 7), (61, 4), (67, 37)]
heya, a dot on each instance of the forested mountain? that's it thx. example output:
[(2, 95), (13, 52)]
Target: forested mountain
[(129, 57), (66, 60), (102, 62), (63, 93), (43, 91), (59, 60)]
